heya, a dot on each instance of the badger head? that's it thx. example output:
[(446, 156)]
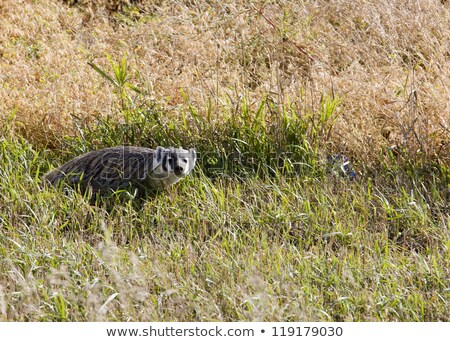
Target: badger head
[(171, 164)]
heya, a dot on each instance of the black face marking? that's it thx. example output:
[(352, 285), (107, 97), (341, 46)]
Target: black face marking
[(164, 162), (172, 162), (159, 151)]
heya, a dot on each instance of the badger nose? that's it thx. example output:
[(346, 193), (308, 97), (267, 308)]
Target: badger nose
[(178, 170)]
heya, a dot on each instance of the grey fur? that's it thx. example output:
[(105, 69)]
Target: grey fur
[(124, 168)]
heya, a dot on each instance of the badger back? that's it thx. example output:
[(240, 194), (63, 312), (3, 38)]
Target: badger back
[(112, 168)]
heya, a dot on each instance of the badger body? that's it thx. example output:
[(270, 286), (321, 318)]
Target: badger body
[(124, 168)]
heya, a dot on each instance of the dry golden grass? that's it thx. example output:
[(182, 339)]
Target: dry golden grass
[(389, 60)]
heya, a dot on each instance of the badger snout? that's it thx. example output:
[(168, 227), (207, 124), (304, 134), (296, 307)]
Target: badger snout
[(179, 170)]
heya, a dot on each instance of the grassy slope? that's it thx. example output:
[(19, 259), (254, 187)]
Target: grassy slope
[(284, 249), (258, 244)]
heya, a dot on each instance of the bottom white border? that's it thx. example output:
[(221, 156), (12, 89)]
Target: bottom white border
[(155, 331)]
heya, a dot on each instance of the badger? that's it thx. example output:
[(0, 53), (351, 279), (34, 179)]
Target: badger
[(137, 169)]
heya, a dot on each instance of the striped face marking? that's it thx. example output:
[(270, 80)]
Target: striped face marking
[(164, 163), (172, 164)]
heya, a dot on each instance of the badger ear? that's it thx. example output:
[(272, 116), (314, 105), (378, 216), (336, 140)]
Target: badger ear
[(192, 156)]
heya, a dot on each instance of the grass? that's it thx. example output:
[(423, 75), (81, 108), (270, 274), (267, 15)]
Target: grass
[(264, 229), (297, 244)]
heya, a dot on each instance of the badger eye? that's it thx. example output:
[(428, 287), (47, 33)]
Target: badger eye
[(185, 160)]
